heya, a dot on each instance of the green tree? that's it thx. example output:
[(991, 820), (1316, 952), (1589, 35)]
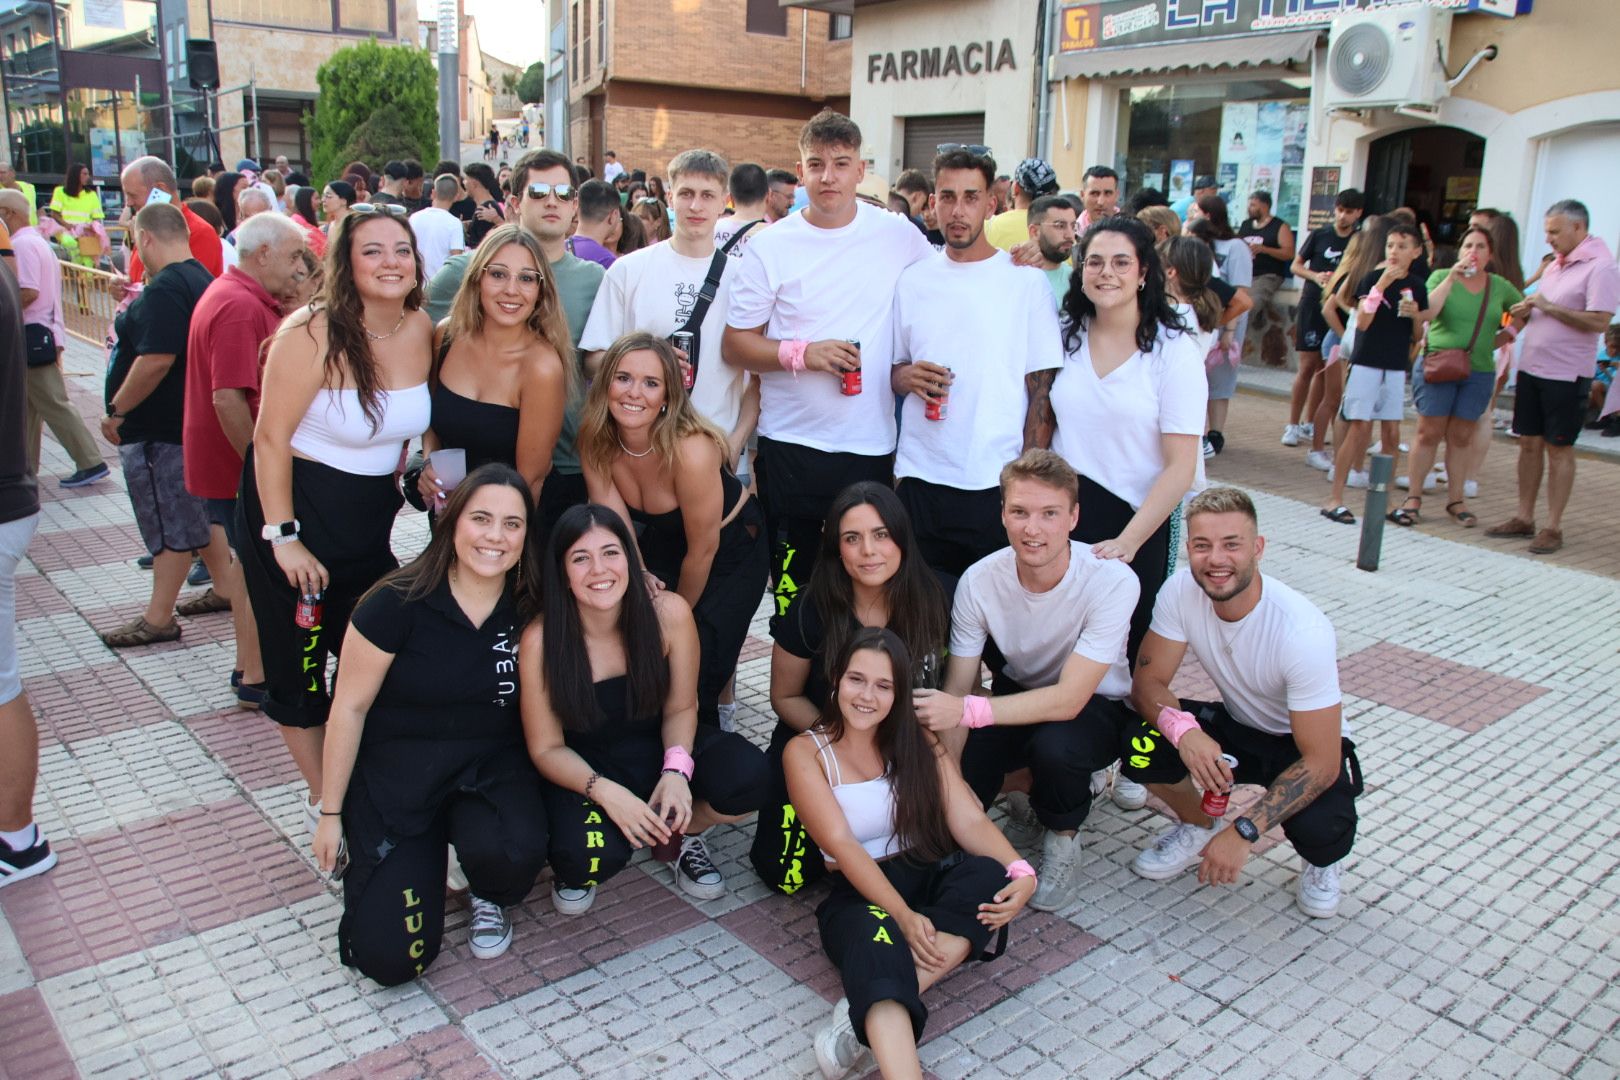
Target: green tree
[(531, 89), (361, 84)]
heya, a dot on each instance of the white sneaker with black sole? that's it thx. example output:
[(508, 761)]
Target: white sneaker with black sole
[(696, 873), (1023, 827), (1318, 890), (1060, 872), (1178, 848), (20, 864), (490, 932), (1127, 793), (837, 1048), (572, 899)]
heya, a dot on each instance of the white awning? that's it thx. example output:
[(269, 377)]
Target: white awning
[(1212, 54)]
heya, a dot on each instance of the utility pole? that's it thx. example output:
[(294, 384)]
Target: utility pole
[(449, 84)]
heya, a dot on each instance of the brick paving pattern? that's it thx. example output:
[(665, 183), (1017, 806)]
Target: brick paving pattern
[(186, 932)]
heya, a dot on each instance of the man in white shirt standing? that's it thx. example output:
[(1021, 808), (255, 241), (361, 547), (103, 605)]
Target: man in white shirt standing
[(1058, 616), (1272, 655), (611, 169), (658, 290), (968, 327), (750, 188), (812, 312), (438, 232)]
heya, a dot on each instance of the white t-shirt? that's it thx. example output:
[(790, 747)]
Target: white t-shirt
[(801, 282), (1235, 263), (991, 323), (438, 233), (1280, 657), (612, 171), (1108, 429), (654, 290), (727, 227), (1088, 612)]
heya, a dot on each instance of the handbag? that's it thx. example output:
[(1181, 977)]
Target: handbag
[(41, 342), (1453, 365)]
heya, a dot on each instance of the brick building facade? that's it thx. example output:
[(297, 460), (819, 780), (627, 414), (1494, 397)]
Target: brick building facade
[(650, 78)]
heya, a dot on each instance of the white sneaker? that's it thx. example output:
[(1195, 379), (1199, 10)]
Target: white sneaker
[(1060, 856), (1318, 891), (1357, 478), (727, 711), (1291, 435), (837, 1048), (1022, 825), (1128, 794), (1430, 482), (1378, 447), (1178, 848), (1320, 459), (1307, 431), (490, 932), (572, 899), (1100, 779), (455, 878), (1470, 489)]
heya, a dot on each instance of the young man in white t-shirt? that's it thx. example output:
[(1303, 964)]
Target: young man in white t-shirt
[(968, 327), (1058, 616), (808, 290), (658, 288), (438, 232), (750, 186), (1272, 655)]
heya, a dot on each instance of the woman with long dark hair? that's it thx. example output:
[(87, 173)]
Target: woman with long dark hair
[(304, 216), (609, 684), (503, 364), (345, 389), (485, 192), (868, 573), (425, 742), (1234, 264), (921, 878), (647, 453), (76, 206), (336, 198), (225, 192), (654, 219), (1504, 233), (1127, 407)]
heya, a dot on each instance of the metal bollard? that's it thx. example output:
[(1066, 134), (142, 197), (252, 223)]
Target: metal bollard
[(1380, 470)]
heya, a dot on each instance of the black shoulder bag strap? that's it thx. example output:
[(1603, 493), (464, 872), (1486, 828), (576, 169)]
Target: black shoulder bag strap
[(737, 236), (694, 321)]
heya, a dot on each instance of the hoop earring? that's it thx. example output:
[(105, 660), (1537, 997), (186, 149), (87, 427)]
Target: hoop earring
[(1140, 285)]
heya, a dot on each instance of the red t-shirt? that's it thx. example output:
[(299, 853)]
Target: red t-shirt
[(205, 247), (232, 320)]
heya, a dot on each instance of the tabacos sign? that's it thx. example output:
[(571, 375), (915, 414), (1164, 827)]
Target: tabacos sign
[(974, 58), (1139, 22)]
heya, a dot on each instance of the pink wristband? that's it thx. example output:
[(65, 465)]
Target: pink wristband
[(1021, 868), (976, 712), (1372, 302), (1511, 331), (790, 354), (1174, 723), (679, 760)]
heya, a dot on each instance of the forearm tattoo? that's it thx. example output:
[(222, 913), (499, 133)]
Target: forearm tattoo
[(1039, 421), (1292, 791)]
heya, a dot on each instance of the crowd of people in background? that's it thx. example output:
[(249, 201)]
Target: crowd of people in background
[(633, 407)]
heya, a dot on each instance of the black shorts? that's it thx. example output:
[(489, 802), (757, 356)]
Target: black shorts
[(1309, 325), (1550, 409)]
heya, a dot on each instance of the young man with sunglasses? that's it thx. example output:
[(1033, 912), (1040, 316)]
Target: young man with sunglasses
[(547, 201)]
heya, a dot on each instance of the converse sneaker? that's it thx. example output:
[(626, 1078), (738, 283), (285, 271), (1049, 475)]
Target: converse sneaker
[(1060, 856), (1177, 848), (1023, 827), (1320, 459), (696, 873), (1291, 435), (572, 899), (31, 861), (490, 932), (1318, 891), (1128, 794), (837, 1048)]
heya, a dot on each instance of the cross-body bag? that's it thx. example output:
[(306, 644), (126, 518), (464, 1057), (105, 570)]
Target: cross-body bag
[(41, 344), (1453, 365)]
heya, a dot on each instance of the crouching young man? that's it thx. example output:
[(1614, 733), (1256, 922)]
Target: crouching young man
[(1271, 654)]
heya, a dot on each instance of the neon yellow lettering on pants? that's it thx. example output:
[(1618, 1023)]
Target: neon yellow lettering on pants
[(411, 900), (414, 923), (593, 818), (594, 839), (883, 936), (418, 947)]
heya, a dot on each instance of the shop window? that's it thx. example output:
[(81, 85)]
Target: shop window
[(767, 17), (38, 140), (840, 27), (601, 33), (1249, 135)]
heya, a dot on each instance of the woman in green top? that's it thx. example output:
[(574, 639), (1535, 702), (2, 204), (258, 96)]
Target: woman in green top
[(76, 206), (1451, 410)]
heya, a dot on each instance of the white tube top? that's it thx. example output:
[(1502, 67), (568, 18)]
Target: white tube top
[(335, 431)]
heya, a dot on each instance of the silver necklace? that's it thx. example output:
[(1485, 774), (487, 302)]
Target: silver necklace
[(631, 452), (391, 333)]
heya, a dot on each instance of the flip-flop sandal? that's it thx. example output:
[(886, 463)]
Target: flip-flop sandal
[(1403, 516), (1464, 518), (1341, 514)]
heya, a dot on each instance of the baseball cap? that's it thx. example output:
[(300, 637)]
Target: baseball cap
[(1035, 176), (1204, 181), (247, 165)]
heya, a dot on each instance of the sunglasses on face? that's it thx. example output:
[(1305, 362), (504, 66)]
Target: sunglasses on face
[(564, 192), (378, 208), (972, 148)]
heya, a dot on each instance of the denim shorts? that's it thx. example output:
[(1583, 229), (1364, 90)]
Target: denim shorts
[(1466, 399)]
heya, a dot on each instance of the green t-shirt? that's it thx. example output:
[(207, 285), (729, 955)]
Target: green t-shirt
[(1453, 326), (1058, 277)]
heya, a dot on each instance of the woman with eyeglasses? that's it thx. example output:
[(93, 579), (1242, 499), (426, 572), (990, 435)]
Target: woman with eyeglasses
[(345, 389), (502, 365), (647, 453), (1126, 410), (485, 192)]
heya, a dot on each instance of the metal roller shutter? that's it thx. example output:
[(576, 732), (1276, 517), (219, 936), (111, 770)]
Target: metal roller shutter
[(925, 133)]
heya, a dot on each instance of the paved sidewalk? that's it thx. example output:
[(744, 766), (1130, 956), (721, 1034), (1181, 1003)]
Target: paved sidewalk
[(186, 932)]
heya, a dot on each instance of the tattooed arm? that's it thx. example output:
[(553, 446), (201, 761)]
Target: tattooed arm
[(1039, 423)]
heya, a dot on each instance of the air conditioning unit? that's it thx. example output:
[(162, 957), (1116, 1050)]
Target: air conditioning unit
[(1388, 57)]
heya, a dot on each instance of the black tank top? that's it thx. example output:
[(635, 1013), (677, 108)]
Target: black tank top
[(1265, 264), (488, 432), (662, 537)]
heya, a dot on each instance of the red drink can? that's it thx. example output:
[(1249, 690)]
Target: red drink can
[(1216, 802), (309, 611), (937, 407), (852, 379)]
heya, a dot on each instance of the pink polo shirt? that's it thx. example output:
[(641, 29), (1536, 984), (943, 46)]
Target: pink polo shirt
[(1586, 279), (38, 269)]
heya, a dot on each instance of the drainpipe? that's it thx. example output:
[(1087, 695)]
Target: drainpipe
[(804, 49), (1046, 32)]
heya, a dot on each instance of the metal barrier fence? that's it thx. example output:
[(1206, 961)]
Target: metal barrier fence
[(89, 300)]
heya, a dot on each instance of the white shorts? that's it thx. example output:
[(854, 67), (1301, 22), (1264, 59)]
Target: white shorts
[(1373, 394)]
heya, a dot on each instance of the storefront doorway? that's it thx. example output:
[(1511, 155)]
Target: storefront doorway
[(1434, 170), (925, 134)]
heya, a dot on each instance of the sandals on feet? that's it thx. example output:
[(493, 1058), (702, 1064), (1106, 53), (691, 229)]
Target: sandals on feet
[(1406, 516), (138, 632), (1341, 514), (1462, 517), (202, 604)]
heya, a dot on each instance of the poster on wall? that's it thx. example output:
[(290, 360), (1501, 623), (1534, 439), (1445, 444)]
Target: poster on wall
[(1261, 178), (1324, 193), (104, 13), (1153, 180), (1294, 125), (104, 150), (1238, 132), (1181, 178), (1289, 188), (1226, 181), (1263, 149), (1268, 132)]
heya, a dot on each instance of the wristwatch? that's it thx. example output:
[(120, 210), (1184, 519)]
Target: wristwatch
[(1245, 828), (276, 532), (113, 413)]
